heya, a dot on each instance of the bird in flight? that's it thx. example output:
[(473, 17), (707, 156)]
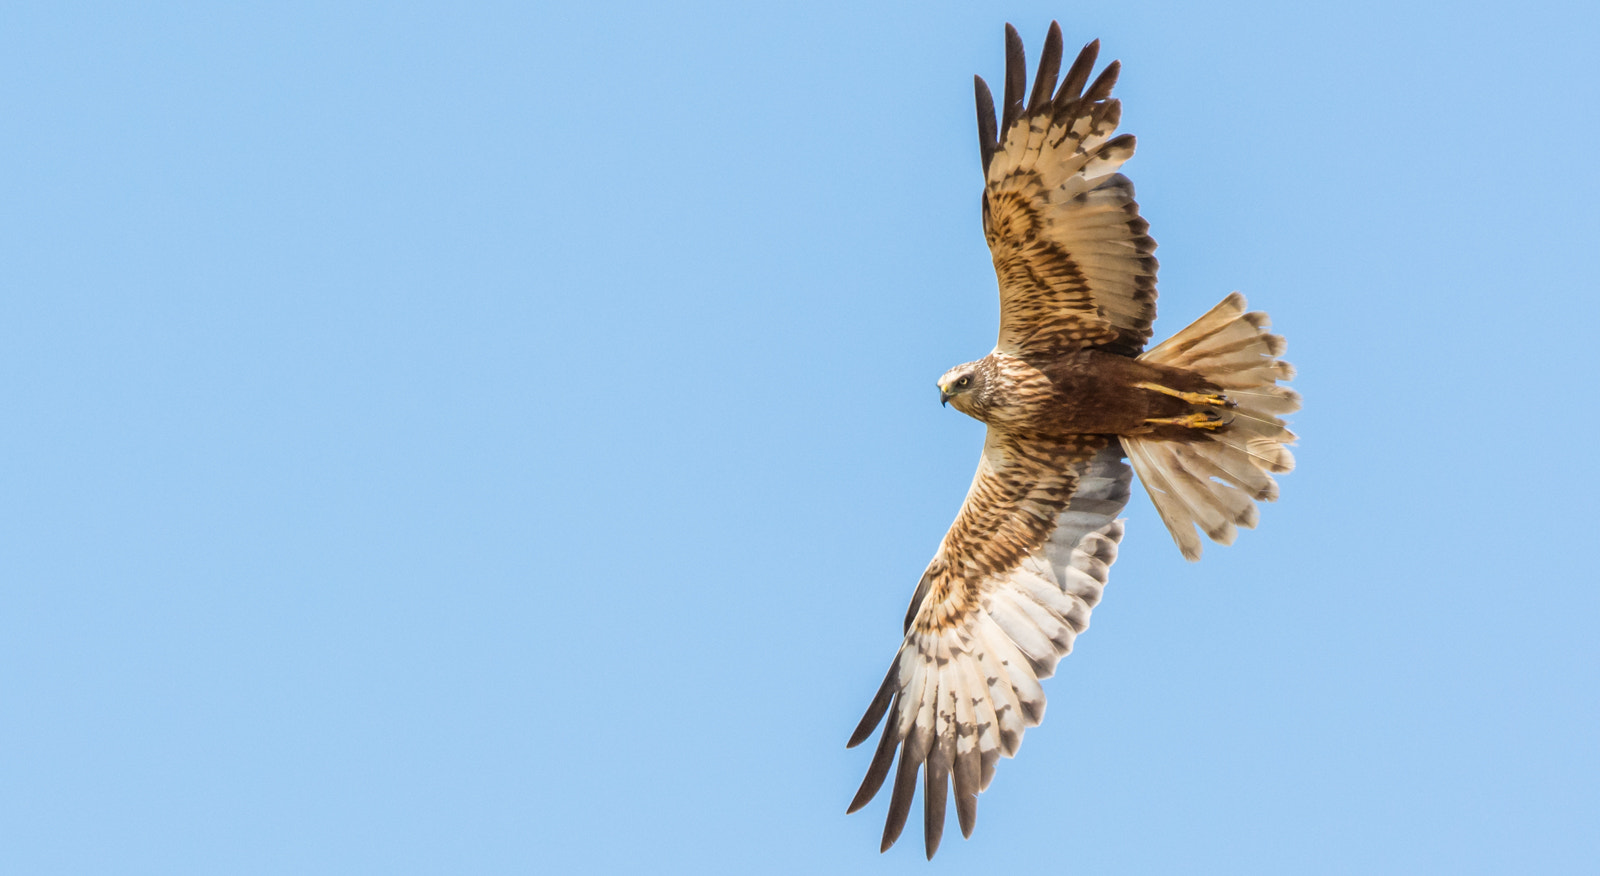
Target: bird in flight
[(1067, 393)]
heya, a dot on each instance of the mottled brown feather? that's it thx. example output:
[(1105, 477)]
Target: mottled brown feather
[(1073, 258), (1012, 506)]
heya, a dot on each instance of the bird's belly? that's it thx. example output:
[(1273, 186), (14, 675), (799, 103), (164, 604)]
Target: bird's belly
[(1102, 411), (1094, 393)]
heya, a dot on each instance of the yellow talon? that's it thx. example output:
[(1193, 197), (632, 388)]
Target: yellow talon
[(1194, 398), (1210, 420)]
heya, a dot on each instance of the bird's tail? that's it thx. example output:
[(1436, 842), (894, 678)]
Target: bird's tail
[(1214, 478)]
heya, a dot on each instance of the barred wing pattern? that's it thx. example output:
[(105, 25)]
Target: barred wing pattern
[(1009, 590), (1071, 252)]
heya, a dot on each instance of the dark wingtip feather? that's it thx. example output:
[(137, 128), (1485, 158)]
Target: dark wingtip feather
[(1044, 82), (905, 787), (1016, 77), (880, 704), (965, 776), (1101, 89), (1072, 86), (936, 774), (882, 759), (988, 137), (967, 813)]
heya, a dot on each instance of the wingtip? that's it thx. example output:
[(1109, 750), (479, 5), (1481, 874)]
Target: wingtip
[(1016, 77), (1101, 88), (1044, 82), (988, 133), (876, 710)]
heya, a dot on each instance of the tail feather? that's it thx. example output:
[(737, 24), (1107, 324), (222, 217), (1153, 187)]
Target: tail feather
[(1213, 480), (1269, 400)]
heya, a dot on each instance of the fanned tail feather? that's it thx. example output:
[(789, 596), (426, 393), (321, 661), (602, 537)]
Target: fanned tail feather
[(1213, 480)]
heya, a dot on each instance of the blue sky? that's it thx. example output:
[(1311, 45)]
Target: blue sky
[(501, 438)]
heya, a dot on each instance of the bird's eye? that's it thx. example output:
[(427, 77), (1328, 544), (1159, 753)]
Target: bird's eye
[(965, 381)]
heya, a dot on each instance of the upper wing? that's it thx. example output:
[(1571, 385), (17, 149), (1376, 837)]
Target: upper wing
[(1071, 252), (1011, 586)]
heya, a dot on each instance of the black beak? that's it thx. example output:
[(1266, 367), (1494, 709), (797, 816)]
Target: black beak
[(945, 397)]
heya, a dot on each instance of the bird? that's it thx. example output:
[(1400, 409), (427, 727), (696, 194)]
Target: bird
[(1070, 398)]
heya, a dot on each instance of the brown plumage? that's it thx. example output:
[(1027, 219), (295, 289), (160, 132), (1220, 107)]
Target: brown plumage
[(1065, 393)]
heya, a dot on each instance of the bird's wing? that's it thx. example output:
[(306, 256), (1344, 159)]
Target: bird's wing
[(1011, 586), (1074, 260)]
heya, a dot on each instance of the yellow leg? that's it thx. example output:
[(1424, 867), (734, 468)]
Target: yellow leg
[(1209, 420), (1194, 398)]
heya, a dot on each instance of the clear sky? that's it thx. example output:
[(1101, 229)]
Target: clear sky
[(502, 438)]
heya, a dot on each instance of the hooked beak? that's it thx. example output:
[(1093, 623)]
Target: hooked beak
[(945, 397)]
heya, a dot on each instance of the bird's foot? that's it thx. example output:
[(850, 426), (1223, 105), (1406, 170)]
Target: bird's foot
[(1208, 420), (1195, 398)]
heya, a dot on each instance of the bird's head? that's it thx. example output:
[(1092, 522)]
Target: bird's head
[(965, 387)]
